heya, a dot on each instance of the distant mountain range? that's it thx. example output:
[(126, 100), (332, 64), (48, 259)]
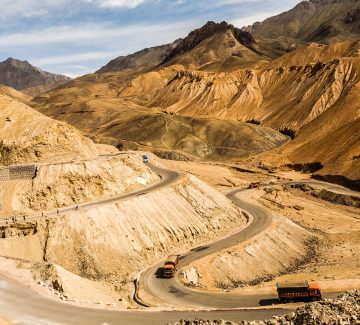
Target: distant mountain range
[(142, 60), (297, 73), (312, 21), (21, 75)]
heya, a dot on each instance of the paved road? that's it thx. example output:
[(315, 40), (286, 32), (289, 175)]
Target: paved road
[(25, 306), (168, 177), (28, 307), (174, 292)]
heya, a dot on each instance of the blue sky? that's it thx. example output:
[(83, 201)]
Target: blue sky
[(75, 37)]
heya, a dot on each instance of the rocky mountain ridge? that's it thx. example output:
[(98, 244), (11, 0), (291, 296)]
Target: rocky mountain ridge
[(210, 28), (21, 75), (313, 20), (145, 59)]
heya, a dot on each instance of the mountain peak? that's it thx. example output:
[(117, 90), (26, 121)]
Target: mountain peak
[(210, 28), (312, 21), (21, 75)]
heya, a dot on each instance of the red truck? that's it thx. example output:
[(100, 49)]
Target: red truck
[(291, 291), (170, 266)]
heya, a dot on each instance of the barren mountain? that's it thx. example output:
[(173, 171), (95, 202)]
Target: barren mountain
[(131, 123), (28, 136), (217, 46), (196, 103), (21, 75), (142, 60), (15, 94), (201, 113), (313, 20)]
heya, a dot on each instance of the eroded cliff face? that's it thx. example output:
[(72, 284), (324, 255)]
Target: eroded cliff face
[(71, 183), (284, 97), (114, 241), (306, 94)]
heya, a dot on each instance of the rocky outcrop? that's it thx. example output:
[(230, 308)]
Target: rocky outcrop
[(22, 75), (209, 29)]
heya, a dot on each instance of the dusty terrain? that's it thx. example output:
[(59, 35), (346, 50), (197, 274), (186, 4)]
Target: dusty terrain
[(105, 243), (259, 260), (227, 110), (70, 183), (330, 222), (345, 309), (314, 102), (129, 235), (28, 136)]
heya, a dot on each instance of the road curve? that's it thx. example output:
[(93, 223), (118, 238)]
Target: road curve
[(21, 304), (25, 306), (172, 291), (168, 177)]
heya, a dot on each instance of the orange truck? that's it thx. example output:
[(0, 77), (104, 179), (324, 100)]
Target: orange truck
[(170, 266), (291, 291)]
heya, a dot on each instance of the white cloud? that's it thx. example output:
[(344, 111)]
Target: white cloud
[(249, 20), (79, 57), (108, 42), (98, 34), (119, 3), (29, 8)]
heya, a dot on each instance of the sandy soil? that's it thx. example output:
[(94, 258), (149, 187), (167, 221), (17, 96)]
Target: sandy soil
[(115, 241), (57, 283), (223, 176), (280, 248), (338, 256), (336, 264), (4, 321)]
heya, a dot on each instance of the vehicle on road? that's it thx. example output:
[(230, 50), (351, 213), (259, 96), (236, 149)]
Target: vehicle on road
[(291, 291), (145, 159), (170, 266), (254, 185)]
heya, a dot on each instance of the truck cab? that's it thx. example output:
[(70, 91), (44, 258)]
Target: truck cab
[(170, 266), (314, 291)]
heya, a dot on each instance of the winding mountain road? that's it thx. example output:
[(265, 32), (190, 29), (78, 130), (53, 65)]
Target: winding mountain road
[(172, 291), (25, 306)]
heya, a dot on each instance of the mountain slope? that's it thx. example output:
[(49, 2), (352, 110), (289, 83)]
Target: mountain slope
[(11, 92), (21, 75), (142, 60), (202, 114), (313, 20), (28, 136), (216, 44)]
